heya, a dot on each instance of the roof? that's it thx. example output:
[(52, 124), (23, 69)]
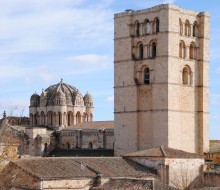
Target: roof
[(214, 146), (11, 120), (163, 151), (92, 125), (136, 184), (63, 91), (53, 168)]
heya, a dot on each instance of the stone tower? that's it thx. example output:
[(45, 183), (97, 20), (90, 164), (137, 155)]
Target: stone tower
[(161, 79)]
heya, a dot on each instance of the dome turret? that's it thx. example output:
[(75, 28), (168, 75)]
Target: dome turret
[(88, 100), (35, 99)]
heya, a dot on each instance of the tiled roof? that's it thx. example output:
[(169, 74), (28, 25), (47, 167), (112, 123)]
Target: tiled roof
[(93, 125), (134, 184), (17, 120), (163, 151), (116, 167), (52, 168), (214, 146)]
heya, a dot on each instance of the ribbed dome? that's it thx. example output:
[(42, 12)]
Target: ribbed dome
[(62, 90)]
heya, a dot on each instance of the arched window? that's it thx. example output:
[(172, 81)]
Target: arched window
[(181, 26), (32, 119), (91, 117), (195, 29), (154, 50), (51, 119), (42, 118), (157, 25), (148, 27), (141, 51), (90, 145), (182, 50), (186, 75), (36, 116), (146, 76), (187, 28), (78, 118), (69, 119), (45, 147), (68, 145), (192, 51), (137, 28), (60, 118)]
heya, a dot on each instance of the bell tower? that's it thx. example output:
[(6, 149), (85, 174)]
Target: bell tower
[(161, 66)]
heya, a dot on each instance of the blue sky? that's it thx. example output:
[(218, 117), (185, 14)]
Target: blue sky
[(44, 41)]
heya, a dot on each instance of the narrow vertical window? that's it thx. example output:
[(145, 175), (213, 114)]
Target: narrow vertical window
[(187, 28), (69, 119), (154, 50), (195, 29), (51, 119), (141, 51), (137, 28), (192, 51), (181, 27), (59, 118), (182, 50), (186, 75), (146, 76), (148, 28), (157, 25)]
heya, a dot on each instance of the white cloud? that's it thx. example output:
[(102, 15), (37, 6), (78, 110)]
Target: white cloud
[(29, 73), (110, 99), (31, 26), (89, 63)]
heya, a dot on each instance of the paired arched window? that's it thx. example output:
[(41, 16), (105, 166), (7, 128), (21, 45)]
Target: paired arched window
[(141, 51), (187, 28), (157, 25), (154, 50), (137, 28), (148, 27), (192, 51), (195, 29), (182, 50), (146, 76), (186, 75)]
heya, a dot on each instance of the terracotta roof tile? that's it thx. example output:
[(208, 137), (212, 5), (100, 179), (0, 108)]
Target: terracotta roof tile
[(116, 167), (163, 151), (52, 168)]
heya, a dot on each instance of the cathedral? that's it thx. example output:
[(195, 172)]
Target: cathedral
[(161, 112)]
